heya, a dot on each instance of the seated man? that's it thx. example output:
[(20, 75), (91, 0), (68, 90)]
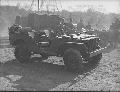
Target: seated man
[(88, 26)]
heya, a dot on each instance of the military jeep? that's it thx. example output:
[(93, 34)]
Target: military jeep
[(77, 50)]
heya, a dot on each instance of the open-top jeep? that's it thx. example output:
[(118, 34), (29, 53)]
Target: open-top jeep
[(43, 38)]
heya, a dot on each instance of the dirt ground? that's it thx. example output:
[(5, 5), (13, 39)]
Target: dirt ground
[(44, 76)]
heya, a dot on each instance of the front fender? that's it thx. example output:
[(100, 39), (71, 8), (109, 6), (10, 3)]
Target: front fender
[(79, 46)]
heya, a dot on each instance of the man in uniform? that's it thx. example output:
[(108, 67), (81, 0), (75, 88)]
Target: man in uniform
[(88, 26), (114, 35), (18, 20), (80, 25)]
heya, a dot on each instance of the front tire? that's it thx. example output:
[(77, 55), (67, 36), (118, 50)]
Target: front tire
[(73, 60), (22, 54)]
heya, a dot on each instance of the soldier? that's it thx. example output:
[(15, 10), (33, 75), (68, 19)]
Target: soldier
[(115, 33), (70, 24), (69, 27), (18, 20), (80, 25), (88, 26), (112, 36), (115, 25)]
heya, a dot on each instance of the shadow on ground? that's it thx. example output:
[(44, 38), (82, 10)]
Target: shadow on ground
[(36, 75)]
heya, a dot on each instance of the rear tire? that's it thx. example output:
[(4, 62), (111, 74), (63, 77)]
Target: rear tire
[(73, 60), (22, 54)]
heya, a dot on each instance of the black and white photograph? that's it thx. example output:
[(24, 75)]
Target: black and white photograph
[(60, 45)]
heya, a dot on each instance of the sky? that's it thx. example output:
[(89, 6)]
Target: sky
[(105, 6)]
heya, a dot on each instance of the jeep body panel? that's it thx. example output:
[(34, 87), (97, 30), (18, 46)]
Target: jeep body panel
[(33, 35)]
